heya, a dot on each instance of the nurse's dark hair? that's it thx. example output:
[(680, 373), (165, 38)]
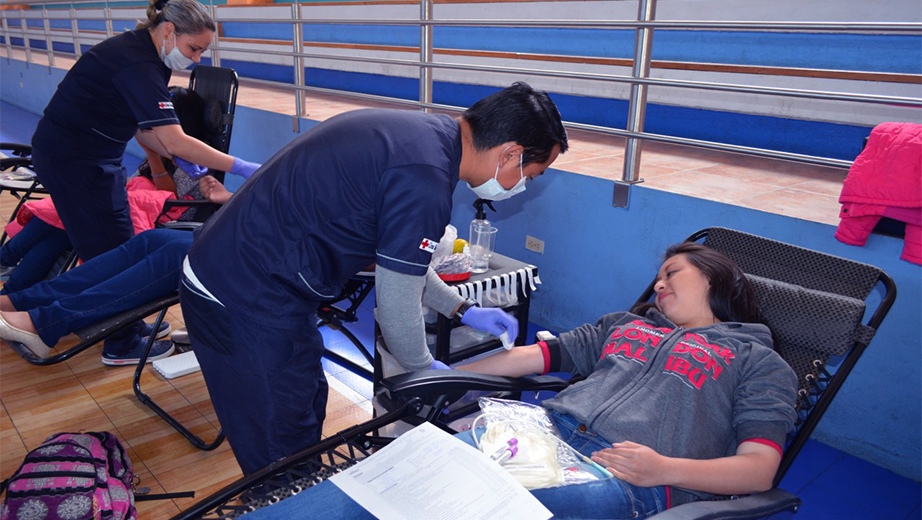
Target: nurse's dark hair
[(188, 16), (730, 295), (519, 114)]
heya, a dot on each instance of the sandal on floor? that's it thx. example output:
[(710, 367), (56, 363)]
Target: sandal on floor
[(29, 340)]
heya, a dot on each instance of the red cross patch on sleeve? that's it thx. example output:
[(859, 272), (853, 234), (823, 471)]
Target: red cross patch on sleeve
[(165, 105), (428, 245)]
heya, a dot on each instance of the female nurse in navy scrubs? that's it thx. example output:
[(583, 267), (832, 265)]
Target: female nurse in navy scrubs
[(118, 90)]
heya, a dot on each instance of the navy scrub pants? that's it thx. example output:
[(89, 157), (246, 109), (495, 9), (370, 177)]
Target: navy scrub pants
[(266, 383), (91, 199)]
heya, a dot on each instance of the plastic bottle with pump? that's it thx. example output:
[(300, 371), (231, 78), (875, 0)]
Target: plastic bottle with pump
[(480, 222)]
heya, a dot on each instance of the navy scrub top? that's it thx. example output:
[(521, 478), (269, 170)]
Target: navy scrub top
[(115, 88), (369, 186)]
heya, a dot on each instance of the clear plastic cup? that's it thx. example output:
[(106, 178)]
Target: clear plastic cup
[(483, 240)]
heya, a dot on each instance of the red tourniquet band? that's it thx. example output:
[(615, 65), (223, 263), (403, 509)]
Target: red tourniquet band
[(547, 357), (767, 443)]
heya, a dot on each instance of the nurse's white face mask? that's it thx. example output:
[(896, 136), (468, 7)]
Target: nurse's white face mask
[(493, 190), (175, 60)]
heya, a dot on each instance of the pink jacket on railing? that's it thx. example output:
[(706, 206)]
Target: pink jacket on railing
[(144, 200), (885, 181)]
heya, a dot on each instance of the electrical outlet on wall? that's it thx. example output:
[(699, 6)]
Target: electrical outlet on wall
[(534, 244)]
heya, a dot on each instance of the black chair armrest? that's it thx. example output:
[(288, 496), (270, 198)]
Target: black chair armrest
[(181, 203), (186, 203), (182, 225), (15, 162), (19, 149), (752, 507), (427, 383), (170, 204)]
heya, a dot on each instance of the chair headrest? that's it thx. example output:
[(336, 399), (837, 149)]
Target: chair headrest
[(809, 325), (808, 319)]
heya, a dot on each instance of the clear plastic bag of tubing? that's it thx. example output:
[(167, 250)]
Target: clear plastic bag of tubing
[(542, 458)]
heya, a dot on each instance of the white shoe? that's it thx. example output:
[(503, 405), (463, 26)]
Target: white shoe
[(181, 336), (27, 339)]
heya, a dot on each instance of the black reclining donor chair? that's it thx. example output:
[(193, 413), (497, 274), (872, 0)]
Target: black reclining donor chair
[(18, 178), (814, 302)]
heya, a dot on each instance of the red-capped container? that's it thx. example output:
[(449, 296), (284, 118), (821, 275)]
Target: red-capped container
[(454, 277)]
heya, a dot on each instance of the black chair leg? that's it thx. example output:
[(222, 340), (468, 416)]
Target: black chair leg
[(194, 439)]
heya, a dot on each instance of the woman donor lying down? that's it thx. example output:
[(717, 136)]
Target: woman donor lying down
[(683, 399)]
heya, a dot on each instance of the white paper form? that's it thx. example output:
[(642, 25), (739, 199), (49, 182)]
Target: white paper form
[(427, 474)]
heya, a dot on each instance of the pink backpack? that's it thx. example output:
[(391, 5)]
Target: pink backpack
[(73, 476)]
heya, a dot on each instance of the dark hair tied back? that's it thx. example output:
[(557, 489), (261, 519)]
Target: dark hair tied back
[(187, 16)]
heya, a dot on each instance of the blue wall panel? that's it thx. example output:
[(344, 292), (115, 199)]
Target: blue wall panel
[(862, 52), (397, 87), (248, 69)]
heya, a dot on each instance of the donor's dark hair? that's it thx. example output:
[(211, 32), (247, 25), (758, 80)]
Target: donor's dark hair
[(730, 295), (520, 114), (190, 109)]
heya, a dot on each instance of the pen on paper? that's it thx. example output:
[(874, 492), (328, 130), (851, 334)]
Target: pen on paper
[(595, 465)]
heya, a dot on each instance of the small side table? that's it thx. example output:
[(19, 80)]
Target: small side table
[(507, 284)]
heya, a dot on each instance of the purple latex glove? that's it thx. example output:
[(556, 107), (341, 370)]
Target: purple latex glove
[(193, 170), (244, 168), (492, 320), (438, 365)]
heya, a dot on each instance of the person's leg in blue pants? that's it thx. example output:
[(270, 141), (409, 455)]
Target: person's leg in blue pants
[(266, 383), (36, 249), (92, 202), (143, 269)]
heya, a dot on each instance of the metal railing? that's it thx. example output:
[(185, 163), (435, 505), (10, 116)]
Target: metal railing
[(639, 79)]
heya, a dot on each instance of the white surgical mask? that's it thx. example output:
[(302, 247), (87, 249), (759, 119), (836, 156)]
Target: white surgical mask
[(493, 190), (175, 60)]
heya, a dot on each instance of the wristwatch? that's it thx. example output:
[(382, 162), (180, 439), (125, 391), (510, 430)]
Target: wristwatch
[(468, 303)]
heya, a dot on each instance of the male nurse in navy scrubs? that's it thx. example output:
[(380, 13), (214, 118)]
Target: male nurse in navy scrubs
[(369, 186)]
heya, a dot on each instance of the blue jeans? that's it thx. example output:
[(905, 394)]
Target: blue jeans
[(36, 248), (608, 499), (143, 269)]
